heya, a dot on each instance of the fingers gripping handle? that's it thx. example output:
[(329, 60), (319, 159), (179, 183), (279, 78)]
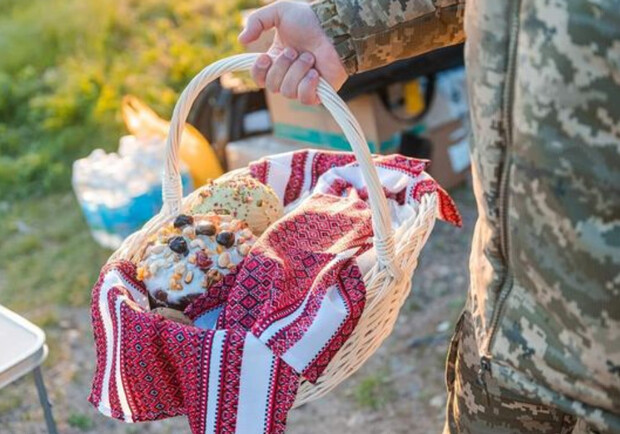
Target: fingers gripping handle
[(172, 187)]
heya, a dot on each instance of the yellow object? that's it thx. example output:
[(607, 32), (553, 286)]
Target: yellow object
[(195, 151), (414, 101)]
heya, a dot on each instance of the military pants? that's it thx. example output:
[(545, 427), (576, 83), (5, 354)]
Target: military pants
[(477, 405)]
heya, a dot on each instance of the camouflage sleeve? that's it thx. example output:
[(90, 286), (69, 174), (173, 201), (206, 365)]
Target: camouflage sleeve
[(369, 34)]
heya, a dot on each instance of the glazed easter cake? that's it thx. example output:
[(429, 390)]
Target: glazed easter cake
[(190, 254), (243, 198)]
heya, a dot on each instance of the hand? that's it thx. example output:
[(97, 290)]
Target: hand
[(300, 51)]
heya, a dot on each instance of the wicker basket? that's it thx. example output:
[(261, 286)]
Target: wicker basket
[(387, 284)]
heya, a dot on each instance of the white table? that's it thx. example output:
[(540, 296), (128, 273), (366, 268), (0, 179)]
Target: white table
[(23, 350)]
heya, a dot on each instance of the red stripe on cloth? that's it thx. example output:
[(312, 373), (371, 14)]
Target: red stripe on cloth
[(323, 161), (284, 385), (409, 166), (100, 343), (353, 291), (203, 388), (271, 402), (229, 382), (296, 179)]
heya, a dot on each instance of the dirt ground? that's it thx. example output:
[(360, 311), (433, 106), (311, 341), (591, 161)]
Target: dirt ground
[(400, 389)]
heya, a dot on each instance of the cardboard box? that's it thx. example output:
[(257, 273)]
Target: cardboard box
[(316, 127), (442, 135), (450, 101), (449, 152), (240, 153)]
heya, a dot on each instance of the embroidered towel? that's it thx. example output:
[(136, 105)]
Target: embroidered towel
[(282, 314)]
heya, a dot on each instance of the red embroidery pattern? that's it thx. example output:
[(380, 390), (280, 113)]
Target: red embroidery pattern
[(292, 252), (410, 166), (423, 187), (260, 170), (296, 179), (214, 297), (255, 281), (284, 391), (164, 366), (114, 401), (229, 392), (303, 268), (323, 161), (448, 210)]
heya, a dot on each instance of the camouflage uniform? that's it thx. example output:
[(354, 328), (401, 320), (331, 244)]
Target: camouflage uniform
[(538, 347)]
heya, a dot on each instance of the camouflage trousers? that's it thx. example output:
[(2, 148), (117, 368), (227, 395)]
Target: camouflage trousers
[(483, 408)]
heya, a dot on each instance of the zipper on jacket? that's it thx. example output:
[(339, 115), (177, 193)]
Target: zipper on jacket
[(485, 365)]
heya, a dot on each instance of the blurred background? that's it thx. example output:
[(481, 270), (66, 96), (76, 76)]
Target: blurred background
[(86, 88)]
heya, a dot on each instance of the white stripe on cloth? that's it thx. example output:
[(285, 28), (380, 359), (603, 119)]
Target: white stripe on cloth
[(111, 279), (275, 177), (120, 388), (308, 172), (329, 318), (305, 190), (255, 386), (213, 393)]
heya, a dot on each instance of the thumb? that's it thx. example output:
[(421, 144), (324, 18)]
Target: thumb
[(258, 21)]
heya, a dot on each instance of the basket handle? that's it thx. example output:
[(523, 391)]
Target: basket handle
[(172, 187)]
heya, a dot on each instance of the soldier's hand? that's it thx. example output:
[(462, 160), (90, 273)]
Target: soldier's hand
[(300, 49)]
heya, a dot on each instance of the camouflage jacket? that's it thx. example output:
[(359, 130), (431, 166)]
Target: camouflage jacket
[(544, 85)]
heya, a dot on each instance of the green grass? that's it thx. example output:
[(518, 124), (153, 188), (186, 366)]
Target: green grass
[(80, 421), (375, 391), (47, 257), (64, 68), (10, 400)]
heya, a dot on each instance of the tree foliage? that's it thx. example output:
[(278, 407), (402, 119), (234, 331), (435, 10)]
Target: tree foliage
[(66, 64)]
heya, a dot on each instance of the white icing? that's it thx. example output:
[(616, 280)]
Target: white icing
[(164, 264)]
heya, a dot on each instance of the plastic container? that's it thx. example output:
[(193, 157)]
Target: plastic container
[(119, 192)]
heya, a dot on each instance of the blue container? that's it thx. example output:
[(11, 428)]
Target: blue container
[(111, 225)]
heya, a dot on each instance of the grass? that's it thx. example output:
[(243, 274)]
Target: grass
[(375, 391), (64, 68), (45, 318), (47, 257), (80, 421), (10, 400)]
